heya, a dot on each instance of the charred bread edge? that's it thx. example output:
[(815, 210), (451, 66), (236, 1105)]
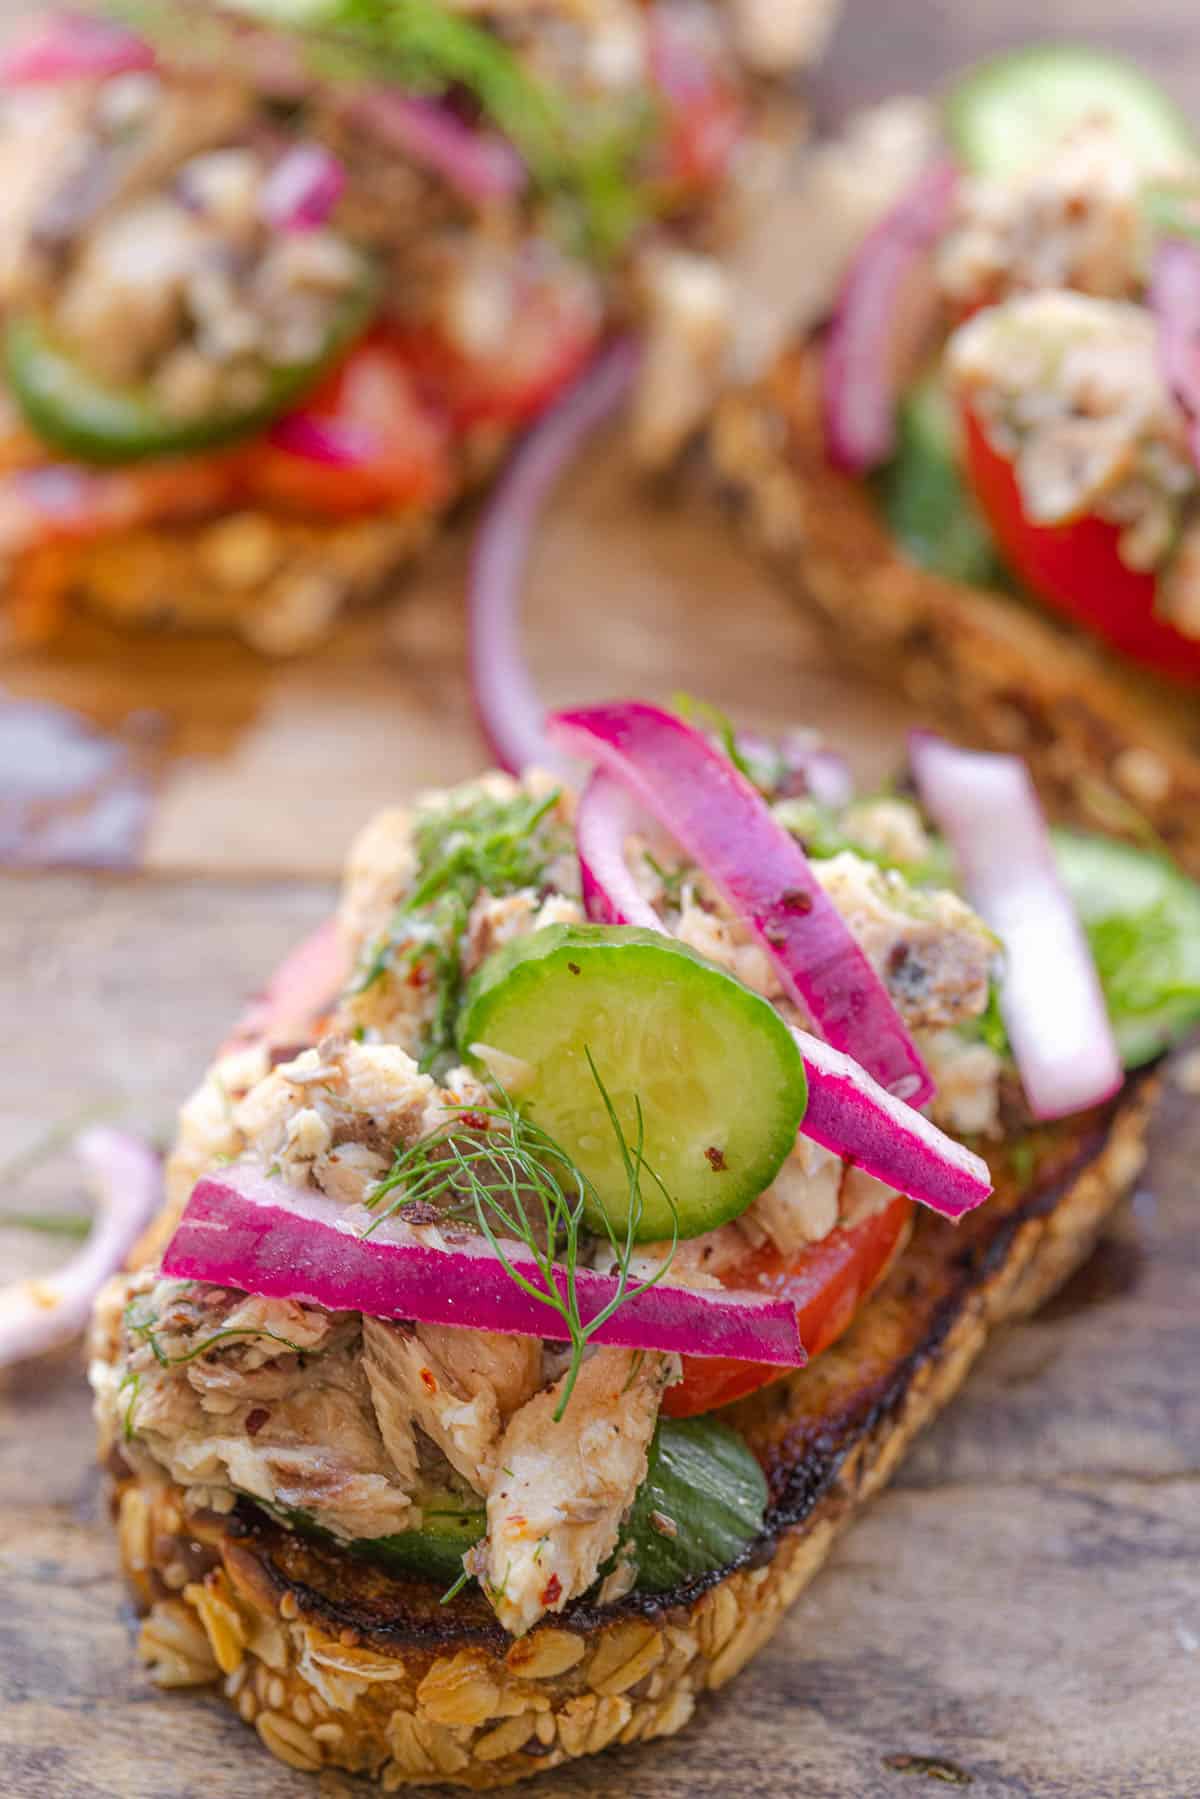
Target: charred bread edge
[(443, 1695), (1105, 746), (275, 579)]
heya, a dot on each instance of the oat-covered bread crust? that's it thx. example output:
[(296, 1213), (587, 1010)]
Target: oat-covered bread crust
[(278, 582), (1105, 746), (338, 1664)]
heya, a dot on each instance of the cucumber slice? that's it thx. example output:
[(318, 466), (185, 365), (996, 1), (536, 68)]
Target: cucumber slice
[(925, 500), (1142, 919), (702, 1501), (1009, 113), (449, 1527), (718, 1075)]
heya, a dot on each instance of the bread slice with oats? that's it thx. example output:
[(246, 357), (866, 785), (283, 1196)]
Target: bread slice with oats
[(298, 1478), (340, 1665)]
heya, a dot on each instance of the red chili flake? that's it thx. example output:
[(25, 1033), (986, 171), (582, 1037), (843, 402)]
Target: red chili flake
[(256, 1419), (427, 1381), (474, 1121), (574, 967), (796, 900), (552, 1590), (716, 1159)]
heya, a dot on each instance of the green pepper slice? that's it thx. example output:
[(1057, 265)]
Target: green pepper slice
[(94, 421)]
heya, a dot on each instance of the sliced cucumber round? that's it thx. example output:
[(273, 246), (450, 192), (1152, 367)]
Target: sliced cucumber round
[(702, 1501), (606, 1015), (926, 501), (1008, 114), (449, 1527), (1142, 919)]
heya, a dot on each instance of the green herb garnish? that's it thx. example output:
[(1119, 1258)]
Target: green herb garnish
[(49, 1224), (144, 1327), (582, 152), (134, 1383), (719, 724), (453, 1592), (497, 845), (516, 1182)]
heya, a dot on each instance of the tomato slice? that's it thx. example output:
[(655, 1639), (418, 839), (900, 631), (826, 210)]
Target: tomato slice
[(1077, 569), (390, 443), (554, 331), (826, 1283), (704, 114)]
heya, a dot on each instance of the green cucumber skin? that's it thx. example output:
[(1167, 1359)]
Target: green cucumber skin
[(1119, 889), (926, 502), (434, 1552), (1024, 84), (516, 975), (71, 411), (700, 1476), (703, 1479)]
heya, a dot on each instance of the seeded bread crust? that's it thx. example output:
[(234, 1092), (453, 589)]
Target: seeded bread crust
[(337, 1664), (279, 583), (1106, 746)]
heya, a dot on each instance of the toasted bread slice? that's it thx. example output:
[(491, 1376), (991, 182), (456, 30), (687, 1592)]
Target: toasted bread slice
[(278, 582), (338, 1664), (1106, 746)]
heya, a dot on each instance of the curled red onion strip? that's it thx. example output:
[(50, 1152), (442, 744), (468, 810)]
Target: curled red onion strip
[(847, 1113), (510, 711), (1050, 997), (859, 364), (1175, 301), (726, 828), (302, 189), (72, 46), (40, 1315), (241, 1229), (479, 165)]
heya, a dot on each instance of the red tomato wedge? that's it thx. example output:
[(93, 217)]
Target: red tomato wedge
[(826, 1284), (1076, 568), (553, 333), (368, 438), (704, 114)]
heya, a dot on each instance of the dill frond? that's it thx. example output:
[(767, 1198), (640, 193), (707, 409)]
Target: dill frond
[(518, 1185), (143, 1327), (489, 844), (48, 1224)]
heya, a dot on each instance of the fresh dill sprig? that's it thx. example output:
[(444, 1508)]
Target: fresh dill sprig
[(144, 1328), (495, 844), (134, 1383), (520, 1186), (453, 1592), (48, 1224)]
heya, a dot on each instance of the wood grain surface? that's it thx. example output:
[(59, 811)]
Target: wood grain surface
[(1021, 1613)]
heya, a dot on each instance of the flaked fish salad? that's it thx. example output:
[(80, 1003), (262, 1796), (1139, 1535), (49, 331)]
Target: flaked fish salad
[(596, 1112)]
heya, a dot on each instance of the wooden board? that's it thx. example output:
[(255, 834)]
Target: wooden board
[(1024, 1605)]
